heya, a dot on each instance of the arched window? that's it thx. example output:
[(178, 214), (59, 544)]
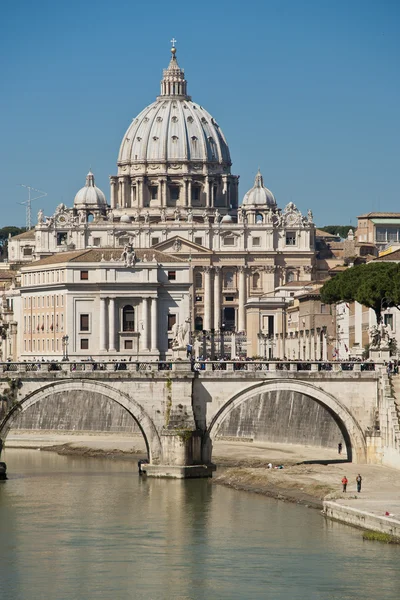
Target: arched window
[(259, 218), (128, 318), (256, 280), (229, 280), (198, 280), (90, 218), (290, 277), (198, 323)]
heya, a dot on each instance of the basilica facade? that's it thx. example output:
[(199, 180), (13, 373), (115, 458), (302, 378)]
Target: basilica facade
[(174, 200)]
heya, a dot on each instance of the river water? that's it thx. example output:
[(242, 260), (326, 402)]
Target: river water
[(90, 529)]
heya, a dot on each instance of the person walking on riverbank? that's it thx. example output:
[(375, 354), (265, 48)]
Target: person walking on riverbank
[(359, 481), (339, 448), (345, 481)]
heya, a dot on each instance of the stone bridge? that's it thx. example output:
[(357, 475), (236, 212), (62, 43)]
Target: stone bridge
[(181, 408)]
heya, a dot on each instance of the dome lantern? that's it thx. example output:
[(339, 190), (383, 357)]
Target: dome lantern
[(90, 196)]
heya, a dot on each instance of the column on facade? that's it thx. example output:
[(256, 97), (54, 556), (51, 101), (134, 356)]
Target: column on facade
[(185, 192), (163, 185), (312, 344), (103, 317), (207, 299), (217, 298), (113, 192), (318, 357), (111, 325), (122, 192), (133, 189), (207, 190), (154, 336), (301, 345), (145, 319), (324, 347), (189, 192), (139, 191), (277, 353), (242, 299), (212, 195)]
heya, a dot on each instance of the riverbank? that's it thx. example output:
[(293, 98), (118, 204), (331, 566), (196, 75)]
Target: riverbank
[(243, 466)]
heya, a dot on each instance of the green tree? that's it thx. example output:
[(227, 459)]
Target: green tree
[(4, 233), (375, 285), (341, 230)]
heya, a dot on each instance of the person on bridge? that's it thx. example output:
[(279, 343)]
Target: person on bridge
[(345, 481), (339, 448), (359, 481)]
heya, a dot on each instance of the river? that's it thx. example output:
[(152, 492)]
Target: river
[(75, 528)]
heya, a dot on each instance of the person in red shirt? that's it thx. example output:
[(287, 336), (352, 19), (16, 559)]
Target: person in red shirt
[(345, 481)]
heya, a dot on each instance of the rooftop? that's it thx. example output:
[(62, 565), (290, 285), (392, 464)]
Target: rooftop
[(102, 254)]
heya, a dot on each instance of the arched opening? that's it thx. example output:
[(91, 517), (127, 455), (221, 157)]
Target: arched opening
[(229, 280), (290, 277), (280, 409), (256, 281), (259, 219), (83, 405), (90, 218), (128, 318), (198, 323)]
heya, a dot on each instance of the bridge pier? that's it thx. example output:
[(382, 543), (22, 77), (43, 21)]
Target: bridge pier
[(181, 456)]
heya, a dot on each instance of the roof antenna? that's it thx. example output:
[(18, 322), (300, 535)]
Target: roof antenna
[(28, 203)]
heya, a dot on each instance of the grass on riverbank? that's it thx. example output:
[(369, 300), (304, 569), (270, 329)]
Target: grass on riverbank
[(377, 536)]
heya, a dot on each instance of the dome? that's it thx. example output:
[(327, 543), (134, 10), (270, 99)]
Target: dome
[(227, 219), (259, 196), (125, 218), (90, 196), (174, 128)]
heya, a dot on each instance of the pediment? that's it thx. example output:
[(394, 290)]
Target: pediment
[(179, 246)]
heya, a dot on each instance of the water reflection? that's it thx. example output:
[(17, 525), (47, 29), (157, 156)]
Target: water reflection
[(90, 528)]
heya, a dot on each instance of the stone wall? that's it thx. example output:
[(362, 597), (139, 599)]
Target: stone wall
[(283, 416), (77, 411)]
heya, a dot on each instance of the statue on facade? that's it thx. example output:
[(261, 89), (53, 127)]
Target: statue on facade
[(180, 336), (136, 216), (146, 216), (217, 216), (177, 215), (60, 208), (189, 216), (163, 215), (40, 217), (206, 217), (128, 255), (379, 337), (310, 216), (240, 215)]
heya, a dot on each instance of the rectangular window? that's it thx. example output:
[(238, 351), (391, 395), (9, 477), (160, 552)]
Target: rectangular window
[(128, 344), (171, 275), (324, 309), (154, 241), (229, 241), (96, 241), (290, 238), (123, 241), (84, 322), (27, 252), (392, 235), (196, 193), (380, 233), (256, 241), (171, 321), (174, 192), (62, 238), (84, 275), (84, 344), (388, 320), (199, 299), (154, 192), (198, 241), (229, 298)]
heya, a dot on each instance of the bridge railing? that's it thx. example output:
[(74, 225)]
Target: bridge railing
[(194, 365)]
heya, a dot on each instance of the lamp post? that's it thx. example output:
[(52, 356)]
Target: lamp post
[(65, 340)]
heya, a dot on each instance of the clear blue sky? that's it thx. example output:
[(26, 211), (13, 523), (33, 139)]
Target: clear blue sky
[(306, 89)]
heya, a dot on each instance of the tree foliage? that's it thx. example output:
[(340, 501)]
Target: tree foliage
[(375, 285), (4, 233), (341, 230)]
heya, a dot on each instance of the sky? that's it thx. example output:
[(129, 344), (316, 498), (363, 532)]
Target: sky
[(307, 90)]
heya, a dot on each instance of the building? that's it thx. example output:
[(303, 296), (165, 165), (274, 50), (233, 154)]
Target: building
[(174, 194), (379, 228)]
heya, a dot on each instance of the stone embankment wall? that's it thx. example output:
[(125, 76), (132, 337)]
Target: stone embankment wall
[(283, 416), (361, 518), (77, 411), (389, 420)]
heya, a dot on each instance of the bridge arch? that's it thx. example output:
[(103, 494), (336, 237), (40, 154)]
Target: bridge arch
[(137, 412), (348, 425)]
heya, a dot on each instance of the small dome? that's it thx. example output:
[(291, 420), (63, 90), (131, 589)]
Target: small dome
[(259, 196), (90, 196), (227, 219), (125, 218)]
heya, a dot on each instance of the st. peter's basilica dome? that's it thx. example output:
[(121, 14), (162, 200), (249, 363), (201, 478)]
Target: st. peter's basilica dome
[(174, 128)]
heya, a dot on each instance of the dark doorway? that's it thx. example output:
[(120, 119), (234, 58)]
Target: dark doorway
[(229, 319)]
